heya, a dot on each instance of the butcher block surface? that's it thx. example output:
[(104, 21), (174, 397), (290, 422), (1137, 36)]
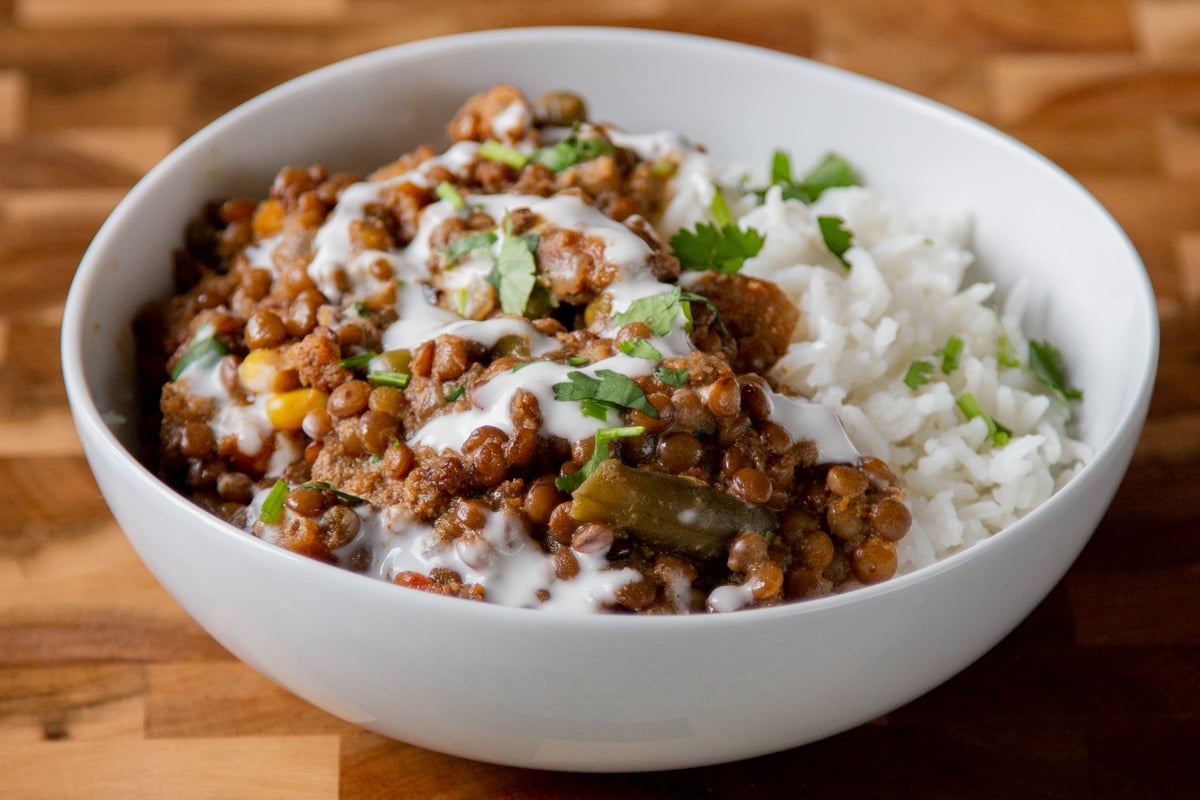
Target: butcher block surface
[(109, 690)]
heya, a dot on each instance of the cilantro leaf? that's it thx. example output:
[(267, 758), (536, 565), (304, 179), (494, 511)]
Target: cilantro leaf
[(639, 348), (467, 244), (722, 249), (1046, 363), (601, 452), (721, 246), (831, 171), (515, 272), (917, 374), (570, 151), (998, 434), (608, 388), (204, 349), (657, 311), (950, 352), (674, 378), (272, 505), (837, 238)]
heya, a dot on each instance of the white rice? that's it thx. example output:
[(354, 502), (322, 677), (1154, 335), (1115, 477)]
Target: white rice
[(860, 330)]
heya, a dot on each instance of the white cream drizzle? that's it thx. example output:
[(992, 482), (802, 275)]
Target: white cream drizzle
[(504, 559)]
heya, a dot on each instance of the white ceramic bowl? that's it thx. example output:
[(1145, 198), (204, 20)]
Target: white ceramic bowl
[(616, 692)]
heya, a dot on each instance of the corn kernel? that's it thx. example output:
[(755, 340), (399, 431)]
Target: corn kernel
[(268, 219), (286, 410), (266, 370)]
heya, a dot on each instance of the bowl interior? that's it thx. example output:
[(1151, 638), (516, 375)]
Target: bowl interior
[(1090, 294)]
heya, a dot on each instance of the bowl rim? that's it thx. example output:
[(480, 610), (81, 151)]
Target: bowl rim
[(91, 426)]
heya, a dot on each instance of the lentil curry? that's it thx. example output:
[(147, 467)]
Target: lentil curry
[(484, 373)]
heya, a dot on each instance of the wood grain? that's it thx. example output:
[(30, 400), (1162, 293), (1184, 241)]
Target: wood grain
[(107, 689)]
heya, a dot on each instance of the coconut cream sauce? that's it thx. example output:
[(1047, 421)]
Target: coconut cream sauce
[(504, 558)]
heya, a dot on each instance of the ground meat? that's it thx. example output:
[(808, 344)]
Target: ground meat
[(757, 314)]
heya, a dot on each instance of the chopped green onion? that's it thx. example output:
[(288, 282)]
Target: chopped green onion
[(1004, 352), (272, 505), (205, 349), (447, 191), (389, 378), (998, 434), (577, 361), (492, 150), (456, 392), (600, 454), (950, 352), (324, 486), (360, 360)]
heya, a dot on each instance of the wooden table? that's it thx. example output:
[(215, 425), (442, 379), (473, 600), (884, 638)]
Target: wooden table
[(107, 689)]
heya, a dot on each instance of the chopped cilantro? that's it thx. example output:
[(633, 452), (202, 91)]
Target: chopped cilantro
[(674, 378), (917, 374), (607, 387), (204, 349), (831, 171), (446, 191), (360, 360), (570, 151), (600, 453), (388, 378), (1004, 352), (1046, 363), (594, 409), (360, 309), (721, 246), (467, 244), (998, 434), (950, 352), (492, 150), (515, 272), (658, 311), (837, 237), (456, 391), (324, 486), (272, 505), (639, 348)]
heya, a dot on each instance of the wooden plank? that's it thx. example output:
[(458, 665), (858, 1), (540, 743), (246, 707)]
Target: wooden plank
[(1126, 610), (88, 701), (13, 92), (1090, 86), (284, 767), (1168, 29), (226, 699), (56, 13)]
